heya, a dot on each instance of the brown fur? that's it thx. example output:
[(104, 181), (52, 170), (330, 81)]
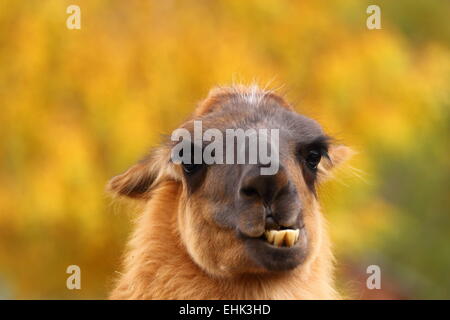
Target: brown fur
[(178, 251)]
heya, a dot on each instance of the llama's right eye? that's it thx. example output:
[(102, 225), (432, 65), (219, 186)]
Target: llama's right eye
[(191, 168)]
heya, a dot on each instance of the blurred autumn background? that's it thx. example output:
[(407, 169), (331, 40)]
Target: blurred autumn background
[(79, 106)]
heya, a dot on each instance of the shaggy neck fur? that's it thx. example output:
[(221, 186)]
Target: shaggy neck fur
[(157, 265)]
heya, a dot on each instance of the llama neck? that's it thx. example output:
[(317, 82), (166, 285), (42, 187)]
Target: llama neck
[(157, 265)]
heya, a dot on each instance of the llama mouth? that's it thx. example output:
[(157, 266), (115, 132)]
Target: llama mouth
[(279, 250), (282, 238)]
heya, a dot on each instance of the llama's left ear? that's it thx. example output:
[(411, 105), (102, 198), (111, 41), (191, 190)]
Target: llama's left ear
[(337, 155), (138, 181)]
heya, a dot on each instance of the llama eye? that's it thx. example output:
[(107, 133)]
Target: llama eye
[(313, 159), (191, 168)]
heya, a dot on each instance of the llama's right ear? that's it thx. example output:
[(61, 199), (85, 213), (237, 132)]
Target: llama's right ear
[(138, 181)]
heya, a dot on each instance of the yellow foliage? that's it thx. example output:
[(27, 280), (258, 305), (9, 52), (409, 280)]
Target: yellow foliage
[(79, 106)]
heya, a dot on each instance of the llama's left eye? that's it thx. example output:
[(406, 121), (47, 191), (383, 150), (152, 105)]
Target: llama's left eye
[(313, 159)]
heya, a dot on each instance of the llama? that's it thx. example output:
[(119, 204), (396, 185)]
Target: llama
[(224, 231)]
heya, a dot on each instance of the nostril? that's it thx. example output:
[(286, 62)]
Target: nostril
[(249, 192)]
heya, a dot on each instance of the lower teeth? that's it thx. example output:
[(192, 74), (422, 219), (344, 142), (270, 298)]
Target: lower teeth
[(280, 238)]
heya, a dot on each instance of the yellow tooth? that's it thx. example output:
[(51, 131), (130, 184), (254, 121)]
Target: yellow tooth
[(279, 238), (273, 232), (290, 237), (270, 235), (297, 234)]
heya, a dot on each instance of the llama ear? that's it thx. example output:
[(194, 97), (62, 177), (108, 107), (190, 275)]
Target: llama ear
[(133, 183), (337, 155), (138, 181)]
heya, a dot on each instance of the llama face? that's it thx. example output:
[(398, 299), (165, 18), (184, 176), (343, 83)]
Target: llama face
[(232, 218), (266, 222)]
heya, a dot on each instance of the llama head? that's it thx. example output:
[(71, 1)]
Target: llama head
[(242, 215)]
